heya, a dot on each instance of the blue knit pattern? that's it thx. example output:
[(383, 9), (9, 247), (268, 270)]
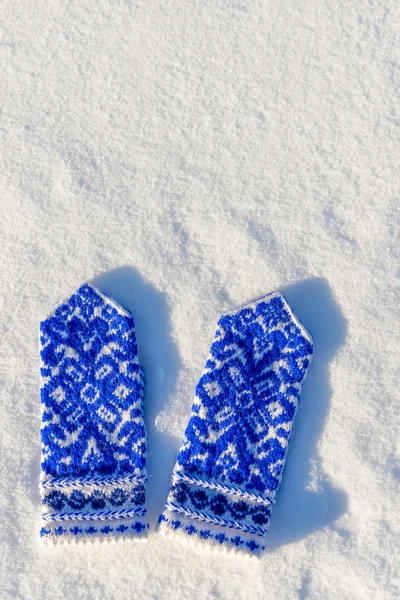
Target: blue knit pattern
[(92, 433), (230, 464)]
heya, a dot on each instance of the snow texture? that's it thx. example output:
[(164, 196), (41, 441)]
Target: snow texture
[(186, 157)]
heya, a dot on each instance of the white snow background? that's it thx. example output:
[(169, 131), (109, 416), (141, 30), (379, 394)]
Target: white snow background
[(186, 157)]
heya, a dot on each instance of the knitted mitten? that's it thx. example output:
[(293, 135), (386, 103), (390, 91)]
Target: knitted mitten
[(231, 460), (93, 468)]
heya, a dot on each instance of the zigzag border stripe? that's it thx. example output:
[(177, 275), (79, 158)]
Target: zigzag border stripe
[(199, 516), (227, 489), (56, 483), (95, 516)]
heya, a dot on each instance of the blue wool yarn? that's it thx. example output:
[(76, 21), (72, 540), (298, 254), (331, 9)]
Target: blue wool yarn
[(93, 438), (230, 464)]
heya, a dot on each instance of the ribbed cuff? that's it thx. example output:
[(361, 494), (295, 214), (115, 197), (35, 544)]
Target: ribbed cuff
[(84, 508), (217, 513)]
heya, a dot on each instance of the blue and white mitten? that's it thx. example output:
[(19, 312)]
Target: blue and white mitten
[(93, 463), (230, 464)]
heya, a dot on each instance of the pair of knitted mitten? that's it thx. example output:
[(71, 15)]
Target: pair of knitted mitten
[(94, 441)]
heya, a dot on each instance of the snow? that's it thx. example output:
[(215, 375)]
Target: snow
[(187, 157)]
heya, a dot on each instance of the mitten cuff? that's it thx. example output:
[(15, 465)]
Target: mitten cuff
[(93, 507), (221, 514)]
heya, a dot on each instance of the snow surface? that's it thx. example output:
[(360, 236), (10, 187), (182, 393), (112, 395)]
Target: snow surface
[(187, 157)]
